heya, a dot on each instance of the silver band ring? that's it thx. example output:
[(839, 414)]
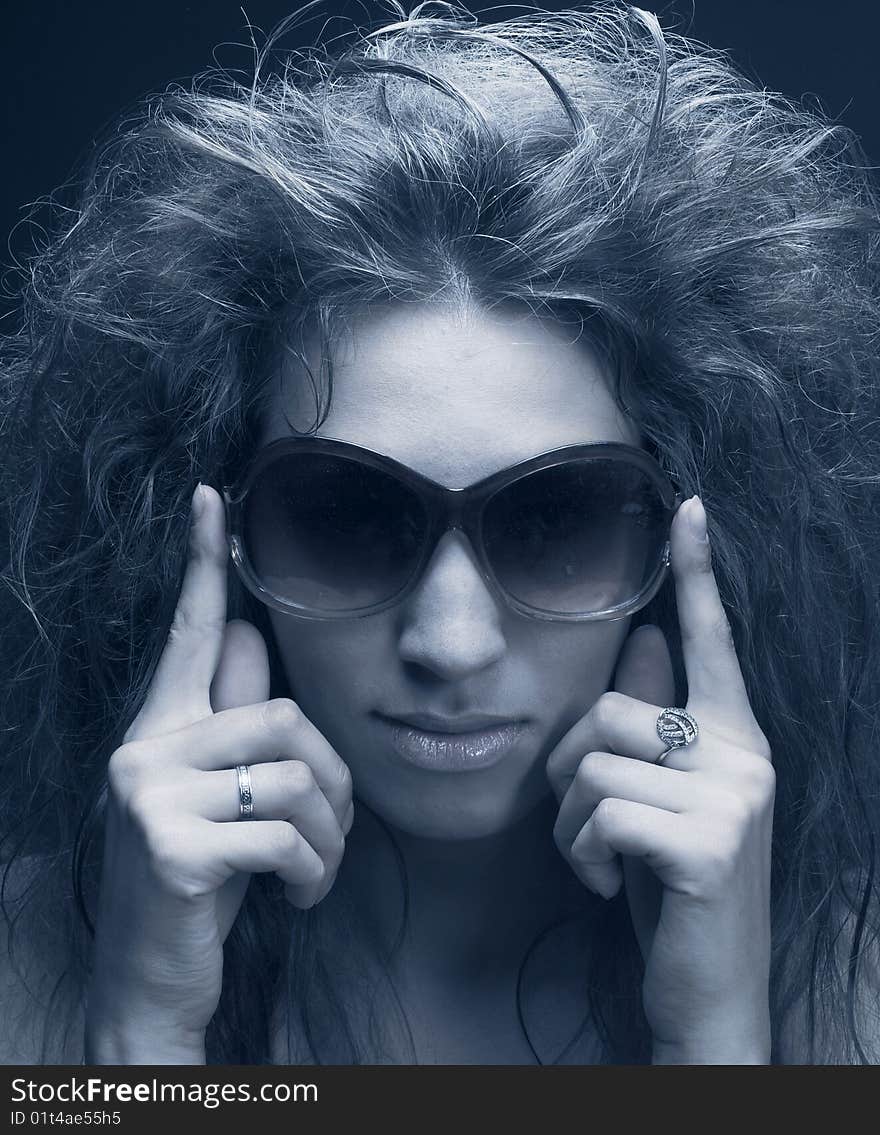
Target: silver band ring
[(245, 796), (675, 728)]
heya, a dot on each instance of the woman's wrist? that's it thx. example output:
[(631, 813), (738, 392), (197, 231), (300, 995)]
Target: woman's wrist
[(140, 1042), (124, 1035), (713, 1052), (728, 1042)]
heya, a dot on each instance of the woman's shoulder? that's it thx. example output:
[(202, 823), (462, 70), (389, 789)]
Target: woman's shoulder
[(41, 1020)]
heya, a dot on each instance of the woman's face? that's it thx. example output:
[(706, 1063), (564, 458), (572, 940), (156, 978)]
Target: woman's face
[(456, 398)]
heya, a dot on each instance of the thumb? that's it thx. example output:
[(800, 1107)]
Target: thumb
[(644, 671), (242, 674), (644, 667)]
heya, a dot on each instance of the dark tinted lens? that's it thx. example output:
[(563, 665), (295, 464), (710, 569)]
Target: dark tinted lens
[(329, 533), (580, 537)]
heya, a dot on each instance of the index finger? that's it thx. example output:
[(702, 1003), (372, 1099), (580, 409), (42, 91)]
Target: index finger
[(714, 676), (179, 693)]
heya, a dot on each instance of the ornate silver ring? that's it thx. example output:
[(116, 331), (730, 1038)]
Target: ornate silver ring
[(245, 796), (675, 728)]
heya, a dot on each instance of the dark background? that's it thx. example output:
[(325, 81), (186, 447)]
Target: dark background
[(69, 68)]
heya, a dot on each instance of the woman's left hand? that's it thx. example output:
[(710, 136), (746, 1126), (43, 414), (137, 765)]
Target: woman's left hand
[(691, 838)]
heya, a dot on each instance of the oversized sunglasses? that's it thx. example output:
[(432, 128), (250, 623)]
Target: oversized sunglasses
[(324, 529)]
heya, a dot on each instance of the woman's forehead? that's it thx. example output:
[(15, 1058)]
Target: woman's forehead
[(456, 396)]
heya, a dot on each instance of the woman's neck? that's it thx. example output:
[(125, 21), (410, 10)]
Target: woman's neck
[(475, 910), (474, 906)]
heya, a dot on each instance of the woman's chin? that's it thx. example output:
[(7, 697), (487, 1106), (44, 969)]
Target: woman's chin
[(469, 819)]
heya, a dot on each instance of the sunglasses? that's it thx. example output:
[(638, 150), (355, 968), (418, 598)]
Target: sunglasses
[(324, 529)]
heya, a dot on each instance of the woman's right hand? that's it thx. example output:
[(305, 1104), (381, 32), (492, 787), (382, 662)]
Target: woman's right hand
[(177, 860)]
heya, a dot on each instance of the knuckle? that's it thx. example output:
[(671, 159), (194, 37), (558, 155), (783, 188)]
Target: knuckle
[(702, 560), (297, 778), (587, 860), (589, 768), (317, 870), (607, 707), (579, 858), (285, 841), (124, 768), (281, 716), (188, 624), (720, 632), (310, 867), (606, 814), (759, 780)]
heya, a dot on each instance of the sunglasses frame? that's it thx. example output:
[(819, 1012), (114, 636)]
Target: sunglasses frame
[(447, 509)]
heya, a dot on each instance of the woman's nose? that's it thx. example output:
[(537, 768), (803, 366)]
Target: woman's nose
[(451, 621)]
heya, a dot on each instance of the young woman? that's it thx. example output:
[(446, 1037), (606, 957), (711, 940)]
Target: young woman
[(506, 690)]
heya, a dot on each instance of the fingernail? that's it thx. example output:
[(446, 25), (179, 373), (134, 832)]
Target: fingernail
[(696, 518), (198, 501)]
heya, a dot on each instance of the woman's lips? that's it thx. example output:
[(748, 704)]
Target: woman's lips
[(452, 752)]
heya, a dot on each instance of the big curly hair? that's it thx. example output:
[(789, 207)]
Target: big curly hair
[(718, 241)]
